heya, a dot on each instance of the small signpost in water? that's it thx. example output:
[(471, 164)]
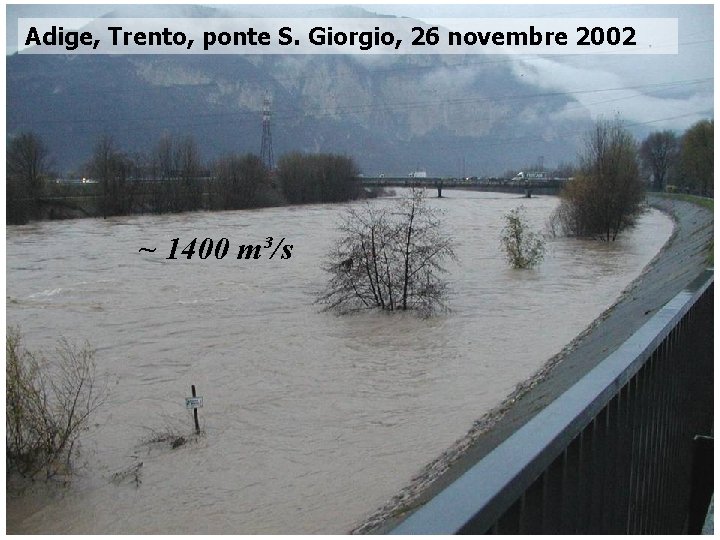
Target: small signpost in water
[(194, 403)]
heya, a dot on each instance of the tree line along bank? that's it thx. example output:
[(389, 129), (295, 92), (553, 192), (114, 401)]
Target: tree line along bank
[(172, 177)]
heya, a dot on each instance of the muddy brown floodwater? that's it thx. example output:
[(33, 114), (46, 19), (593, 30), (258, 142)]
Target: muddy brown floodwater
[(312, 421)]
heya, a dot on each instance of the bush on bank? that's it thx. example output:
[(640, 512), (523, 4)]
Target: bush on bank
[(47, 405)]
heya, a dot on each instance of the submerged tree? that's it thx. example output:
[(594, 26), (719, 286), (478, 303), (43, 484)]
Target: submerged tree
[(238, 180), (523, 247), (47, 405), (308, 178), (389, 259), (606, 195)]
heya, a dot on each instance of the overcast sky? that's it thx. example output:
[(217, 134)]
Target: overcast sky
[(659, 91)]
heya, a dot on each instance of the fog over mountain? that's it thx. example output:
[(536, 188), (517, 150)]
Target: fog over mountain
[(450, 115)]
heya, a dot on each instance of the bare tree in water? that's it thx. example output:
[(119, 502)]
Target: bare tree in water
[(389, 258), (48, 405)]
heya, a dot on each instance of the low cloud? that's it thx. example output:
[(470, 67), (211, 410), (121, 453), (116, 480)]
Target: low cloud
[(599, 91)]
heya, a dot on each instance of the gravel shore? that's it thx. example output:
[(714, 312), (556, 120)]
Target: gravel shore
[(678, 263)]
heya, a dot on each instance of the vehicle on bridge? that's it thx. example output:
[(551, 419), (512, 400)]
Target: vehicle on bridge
[(530, 177)]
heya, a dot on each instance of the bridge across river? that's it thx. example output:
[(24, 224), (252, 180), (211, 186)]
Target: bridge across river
[(527, 187)]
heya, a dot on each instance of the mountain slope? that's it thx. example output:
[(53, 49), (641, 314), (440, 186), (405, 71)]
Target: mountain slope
[(392, 114)]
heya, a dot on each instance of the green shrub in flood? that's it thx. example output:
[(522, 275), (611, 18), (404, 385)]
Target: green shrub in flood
[(523, 247)]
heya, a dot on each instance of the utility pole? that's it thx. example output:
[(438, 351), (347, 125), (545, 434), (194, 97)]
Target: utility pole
[(266, 149)]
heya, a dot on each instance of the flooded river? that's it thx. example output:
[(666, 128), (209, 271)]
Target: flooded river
[(311, 420)]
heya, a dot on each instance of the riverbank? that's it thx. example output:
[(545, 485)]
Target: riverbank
[(125, 185), (683, 257)]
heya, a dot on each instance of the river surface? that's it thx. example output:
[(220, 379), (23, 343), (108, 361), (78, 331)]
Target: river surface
[(311, 420)]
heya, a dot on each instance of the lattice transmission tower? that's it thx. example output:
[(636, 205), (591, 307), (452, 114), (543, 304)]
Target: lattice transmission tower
[(266, 149)]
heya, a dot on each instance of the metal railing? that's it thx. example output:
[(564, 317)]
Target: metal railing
[(613, 454)]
